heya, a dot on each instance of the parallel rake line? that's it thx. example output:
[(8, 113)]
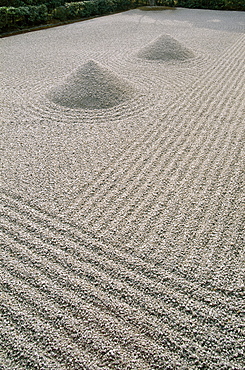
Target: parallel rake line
[(124, 163), (192, 181), (66, 294), (135, 180), (198, 152), (207, 80), (132, 168), (98, 279), (152, 176), (74, 264), (85, 249), (125, 281), (232, 86), (24, 351), (138, 196), (71, 338), (101, 328)]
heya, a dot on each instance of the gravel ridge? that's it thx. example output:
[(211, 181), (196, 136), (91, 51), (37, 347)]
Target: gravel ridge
[(122, 193)]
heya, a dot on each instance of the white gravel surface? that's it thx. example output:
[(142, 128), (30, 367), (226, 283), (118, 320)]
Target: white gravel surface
[(122, 193)]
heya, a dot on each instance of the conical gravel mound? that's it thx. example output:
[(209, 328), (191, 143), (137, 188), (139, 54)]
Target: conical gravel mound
[(91, 87), (165, 48)]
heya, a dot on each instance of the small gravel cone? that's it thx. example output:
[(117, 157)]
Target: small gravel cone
[(91, 86), (165, 48)]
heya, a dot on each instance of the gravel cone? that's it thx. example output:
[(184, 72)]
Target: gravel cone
[(91, 86), (165, 48)]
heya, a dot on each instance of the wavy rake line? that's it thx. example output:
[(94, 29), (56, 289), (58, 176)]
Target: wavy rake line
[(132, 179), (108, 203), (22, 351), (230, 81), (160, 169), (73, 339), (88, 245), (113, 253), (203, 236), (101, 264), (157, 171), (45, 108), (115, 173), (132, 173), (100, 336), (236, 47), (118, 311), (66, 294), (222, 67), (125, 165), (150, 74), (184, 183), (126, 280), (33, 354), (182, 179), (59, 275), (119, 167), (234, 133), (98, 271)]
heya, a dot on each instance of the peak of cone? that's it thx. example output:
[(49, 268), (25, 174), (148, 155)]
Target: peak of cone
[(91, 86), (165, 48)]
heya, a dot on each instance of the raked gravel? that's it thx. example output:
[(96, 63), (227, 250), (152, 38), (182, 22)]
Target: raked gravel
[(122, 193)]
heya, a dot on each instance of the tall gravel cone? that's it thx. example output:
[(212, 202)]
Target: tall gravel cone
[(91, 86), (165, 48)]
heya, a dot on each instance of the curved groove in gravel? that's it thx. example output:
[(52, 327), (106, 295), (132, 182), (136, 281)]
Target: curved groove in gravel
[(91, 87), (122, 200)]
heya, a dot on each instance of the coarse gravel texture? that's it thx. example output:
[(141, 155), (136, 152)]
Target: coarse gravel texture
[(91, 87), (122, 193), (165, 48)]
